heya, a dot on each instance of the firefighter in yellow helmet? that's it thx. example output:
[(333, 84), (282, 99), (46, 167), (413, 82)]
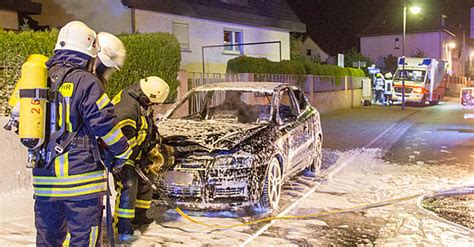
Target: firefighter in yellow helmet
[(135, 114)]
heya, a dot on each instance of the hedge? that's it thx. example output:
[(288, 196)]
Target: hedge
[(14, 49), (244, 64), (147, 54)]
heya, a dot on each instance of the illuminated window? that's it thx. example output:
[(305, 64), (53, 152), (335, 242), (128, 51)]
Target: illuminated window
[(181, 31), (233, 37)]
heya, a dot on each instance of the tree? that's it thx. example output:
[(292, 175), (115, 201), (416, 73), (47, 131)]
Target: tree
[(296, 47), (390, 62), (420, 53), (353, 55)]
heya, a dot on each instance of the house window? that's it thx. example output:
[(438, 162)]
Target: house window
[(397, 43), (308, 52), (181, 31), (237, 2), (232, 37)]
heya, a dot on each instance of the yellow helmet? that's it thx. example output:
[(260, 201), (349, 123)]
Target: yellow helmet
[(77, 36), (155, 89)]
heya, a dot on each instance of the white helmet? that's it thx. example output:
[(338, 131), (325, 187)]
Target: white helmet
[(155, 89), (112, 51), (77, 36), (388, 75)]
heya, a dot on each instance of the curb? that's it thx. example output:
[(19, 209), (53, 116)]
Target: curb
[(433, 215)]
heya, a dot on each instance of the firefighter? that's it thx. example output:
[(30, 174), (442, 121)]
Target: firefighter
[(379, 88), (388, 89), (135, 115), (70, 183), (111, 56)]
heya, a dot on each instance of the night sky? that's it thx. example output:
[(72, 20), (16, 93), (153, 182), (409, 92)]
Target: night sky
[(335, 24)]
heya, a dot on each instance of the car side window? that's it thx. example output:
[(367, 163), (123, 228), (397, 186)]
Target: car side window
[(301, 99), (287, 110)]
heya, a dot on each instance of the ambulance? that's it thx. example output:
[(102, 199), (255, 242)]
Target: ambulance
[(423, 80)]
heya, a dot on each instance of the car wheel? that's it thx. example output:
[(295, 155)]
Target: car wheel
[(272, 187), (318, 158)]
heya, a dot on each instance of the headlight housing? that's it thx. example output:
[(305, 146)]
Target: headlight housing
[(236, 161)]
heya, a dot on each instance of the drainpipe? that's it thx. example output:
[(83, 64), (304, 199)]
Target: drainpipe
[(132, 20)]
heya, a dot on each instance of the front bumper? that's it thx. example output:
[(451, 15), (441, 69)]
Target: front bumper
[(409, 97), (211, 188)]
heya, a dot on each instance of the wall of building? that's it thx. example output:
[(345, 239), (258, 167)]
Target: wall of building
[(15, 175), (205, 32), (101, 15), (8, 19), (316, 51), (378, 47)]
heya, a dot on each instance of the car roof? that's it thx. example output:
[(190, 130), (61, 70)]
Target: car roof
[(265, 87)]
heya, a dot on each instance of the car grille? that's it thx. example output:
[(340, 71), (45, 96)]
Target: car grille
[(226, 192), (407, 90), (181, 191)]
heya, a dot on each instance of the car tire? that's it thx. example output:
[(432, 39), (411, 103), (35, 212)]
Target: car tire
[(318, 158), (272, 187)]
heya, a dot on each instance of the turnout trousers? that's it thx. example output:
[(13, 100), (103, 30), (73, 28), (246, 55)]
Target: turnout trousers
[(133, 200), (69, 222)]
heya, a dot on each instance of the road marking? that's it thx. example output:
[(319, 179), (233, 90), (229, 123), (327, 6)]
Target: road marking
[(331, 172)]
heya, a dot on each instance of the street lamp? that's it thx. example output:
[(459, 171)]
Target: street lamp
[(414, 10)]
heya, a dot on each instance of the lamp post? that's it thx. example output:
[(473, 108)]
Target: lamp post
[(403, 51), (414, 10)]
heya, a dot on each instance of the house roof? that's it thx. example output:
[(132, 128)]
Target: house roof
[(390, 21), (25, 6), (258, 13)]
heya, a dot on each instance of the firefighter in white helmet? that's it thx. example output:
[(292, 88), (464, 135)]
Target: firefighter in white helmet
[(135, 114), (70, 182), (110, 57)]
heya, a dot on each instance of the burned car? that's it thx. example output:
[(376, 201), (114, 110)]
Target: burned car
[(236, 143)]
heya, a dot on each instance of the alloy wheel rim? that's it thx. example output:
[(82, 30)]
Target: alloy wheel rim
[(274, 180)]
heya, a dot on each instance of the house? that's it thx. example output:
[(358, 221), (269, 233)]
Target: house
[(426, 35), (12, 13), (195, 23), (312, 51)]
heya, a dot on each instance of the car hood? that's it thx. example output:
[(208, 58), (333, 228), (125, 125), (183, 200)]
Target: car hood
[(210, 135)]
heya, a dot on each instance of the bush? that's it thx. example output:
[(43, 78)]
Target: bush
[(352, 55), (244, 64), (147, 54), (14, 49)]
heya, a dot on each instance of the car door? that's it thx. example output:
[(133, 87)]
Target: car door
[(287, 117), (307, 119)]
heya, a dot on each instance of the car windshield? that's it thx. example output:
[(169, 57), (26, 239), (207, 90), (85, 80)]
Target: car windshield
[(410, 75), (232, 106)]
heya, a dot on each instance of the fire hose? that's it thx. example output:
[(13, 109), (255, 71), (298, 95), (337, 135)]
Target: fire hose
[(170, 203)]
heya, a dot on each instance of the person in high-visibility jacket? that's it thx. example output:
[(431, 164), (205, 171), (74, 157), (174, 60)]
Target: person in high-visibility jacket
[(70, 184), (135, 114)]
